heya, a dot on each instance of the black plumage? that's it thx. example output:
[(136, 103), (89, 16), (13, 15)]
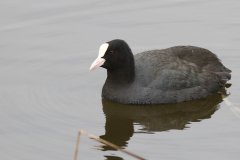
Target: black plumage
[(171, 75)]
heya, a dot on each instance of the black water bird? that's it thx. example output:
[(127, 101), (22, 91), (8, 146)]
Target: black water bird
[(171, 75)]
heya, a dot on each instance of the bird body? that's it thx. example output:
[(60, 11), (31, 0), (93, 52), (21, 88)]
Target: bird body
[(171, 75)]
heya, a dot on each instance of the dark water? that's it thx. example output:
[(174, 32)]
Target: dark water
[(47, 92)]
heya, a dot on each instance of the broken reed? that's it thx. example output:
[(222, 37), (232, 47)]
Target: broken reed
[(102, 141)]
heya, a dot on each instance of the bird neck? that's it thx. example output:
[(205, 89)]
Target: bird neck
[(122, 75)]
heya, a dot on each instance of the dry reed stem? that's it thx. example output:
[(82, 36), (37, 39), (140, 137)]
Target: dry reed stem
[(105, 142), (77, 146)]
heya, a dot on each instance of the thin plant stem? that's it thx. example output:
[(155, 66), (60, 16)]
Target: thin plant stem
[(77, 146), (105, 142)]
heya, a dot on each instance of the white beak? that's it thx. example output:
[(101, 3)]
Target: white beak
[(97, 63), (100, 61)]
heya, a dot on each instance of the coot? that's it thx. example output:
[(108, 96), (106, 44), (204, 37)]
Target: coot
[(171, 75)]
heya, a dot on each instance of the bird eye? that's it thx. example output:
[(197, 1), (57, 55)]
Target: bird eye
[(111, 52)]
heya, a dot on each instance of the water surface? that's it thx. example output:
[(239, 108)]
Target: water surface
[(47, 92)]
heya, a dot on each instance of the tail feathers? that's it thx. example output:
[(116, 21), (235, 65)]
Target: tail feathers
[(226, 69), (224, 76)]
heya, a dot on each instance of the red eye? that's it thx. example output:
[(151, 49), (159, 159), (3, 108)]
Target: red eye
[(111, 52)]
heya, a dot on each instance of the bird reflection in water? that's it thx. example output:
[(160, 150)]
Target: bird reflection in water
[(120, 119)]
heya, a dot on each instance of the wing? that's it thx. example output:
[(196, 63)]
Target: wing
[(199, 56), (175, 79)]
